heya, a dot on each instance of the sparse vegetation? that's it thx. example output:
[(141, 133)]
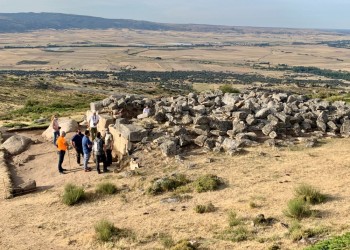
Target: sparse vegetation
[(106, 231), (298, 209), (228, 89), (335, 243), (166, 184), (73, 194), (166, 240), (184, 245), (238, 234), (233, 220), (106, 188), (207, 182), (208, 208), (297, 232), (309, 194)]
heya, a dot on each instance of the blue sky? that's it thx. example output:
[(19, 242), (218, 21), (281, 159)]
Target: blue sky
[(265, 13)]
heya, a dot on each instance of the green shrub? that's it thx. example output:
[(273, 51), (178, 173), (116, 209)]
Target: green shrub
[(15, 124), (72, 194), (167, 184), (227, 88), (310, 194), (105, 230), (208, 208), (298, 209), (207, 183), (184, 245), (297, 232), (166, 240), (233, 220), (234, 234), (106, 188), (338, 242)]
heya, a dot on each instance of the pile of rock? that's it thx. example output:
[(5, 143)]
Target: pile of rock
[(228, 122)]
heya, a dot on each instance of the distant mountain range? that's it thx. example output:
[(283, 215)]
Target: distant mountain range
[(24, 22)]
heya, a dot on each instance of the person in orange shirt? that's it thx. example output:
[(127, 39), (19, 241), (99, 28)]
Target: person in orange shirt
[(62, 147)]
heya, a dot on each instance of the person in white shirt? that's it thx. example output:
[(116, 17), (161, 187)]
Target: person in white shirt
[(56, 128), (93, 121), (145, 113)]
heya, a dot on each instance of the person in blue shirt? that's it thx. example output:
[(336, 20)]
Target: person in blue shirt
[(77, 143), (87, 148)]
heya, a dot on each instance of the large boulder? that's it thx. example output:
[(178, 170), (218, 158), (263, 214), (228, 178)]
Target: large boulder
[(131, 132), (16, 144), (66, 124)]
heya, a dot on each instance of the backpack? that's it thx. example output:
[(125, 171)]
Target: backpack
[(98, 146)]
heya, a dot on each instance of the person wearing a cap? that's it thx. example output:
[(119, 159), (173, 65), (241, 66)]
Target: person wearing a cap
[(62, 147), (94, 119), (109, 146)]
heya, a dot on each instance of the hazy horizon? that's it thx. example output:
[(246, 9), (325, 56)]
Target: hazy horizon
[(319, 14)]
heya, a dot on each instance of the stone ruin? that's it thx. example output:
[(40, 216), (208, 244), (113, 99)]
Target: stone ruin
[(221, 122)]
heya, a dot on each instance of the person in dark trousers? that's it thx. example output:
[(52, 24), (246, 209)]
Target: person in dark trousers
[(100, 153), (62, 147), (109, 146), (77, 143), (87, 147)]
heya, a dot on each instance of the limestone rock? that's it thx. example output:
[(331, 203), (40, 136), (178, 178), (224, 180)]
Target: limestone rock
[(16, 144), (168, 148)]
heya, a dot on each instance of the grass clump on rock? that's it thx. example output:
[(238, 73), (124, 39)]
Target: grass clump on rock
[(310, 194), (208, 208), (73, 194), (166, 184), (184, 245), (298, 209), (106, 188), (207, 182)]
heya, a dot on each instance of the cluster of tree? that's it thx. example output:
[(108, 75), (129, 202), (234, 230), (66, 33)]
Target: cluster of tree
[(333, 74), (179, 77), (338, 44)]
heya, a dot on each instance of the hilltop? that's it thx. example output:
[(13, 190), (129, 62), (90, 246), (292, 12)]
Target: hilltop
[(25, 22)]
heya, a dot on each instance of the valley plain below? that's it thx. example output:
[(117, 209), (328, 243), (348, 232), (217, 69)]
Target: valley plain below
[(48, 71)]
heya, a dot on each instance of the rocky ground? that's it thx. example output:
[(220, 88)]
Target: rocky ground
[(260, 175)]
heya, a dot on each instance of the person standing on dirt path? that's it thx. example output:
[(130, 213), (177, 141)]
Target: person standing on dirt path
[(56, 128), (77, 143), (108, 139), (87, 147), (94, 119), (100, 153), (62, 147)]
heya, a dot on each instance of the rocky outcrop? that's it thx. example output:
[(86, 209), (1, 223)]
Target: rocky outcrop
[(218, 121), (5, 177), (16, 144)]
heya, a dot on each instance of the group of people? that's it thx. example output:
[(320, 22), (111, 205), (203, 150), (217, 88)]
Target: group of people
[(100, 147)]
